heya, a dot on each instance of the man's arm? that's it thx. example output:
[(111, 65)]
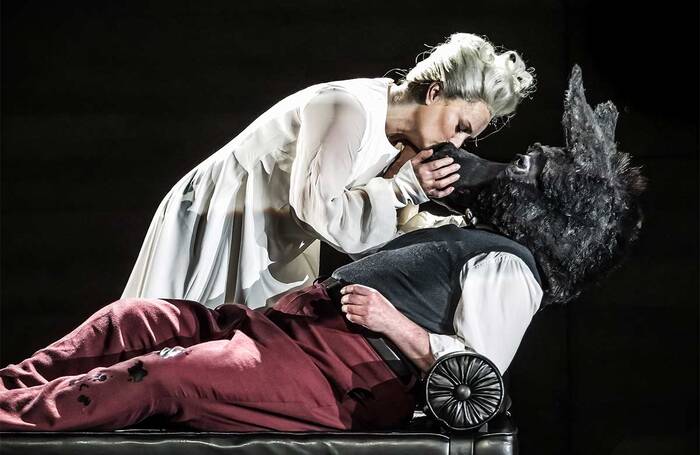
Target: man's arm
[(499, 297), (369, 308), (498, 300)]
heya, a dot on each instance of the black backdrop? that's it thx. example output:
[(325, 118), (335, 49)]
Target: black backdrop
[(105, 105)]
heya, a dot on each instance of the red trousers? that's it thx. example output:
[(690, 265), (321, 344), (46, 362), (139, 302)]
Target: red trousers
[(298, 366)]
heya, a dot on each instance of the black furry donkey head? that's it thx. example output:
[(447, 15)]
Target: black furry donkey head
[(574, 207)]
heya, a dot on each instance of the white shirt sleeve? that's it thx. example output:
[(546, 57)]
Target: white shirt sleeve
[(499, 298), (352, 220), (423, 220)]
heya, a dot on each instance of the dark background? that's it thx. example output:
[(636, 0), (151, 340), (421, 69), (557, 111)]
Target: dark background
[(105, 105)]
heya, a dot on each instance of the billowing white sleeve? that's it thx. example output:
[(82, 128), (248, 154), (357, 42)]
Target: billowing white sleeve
[(499, 297), (352, 220)]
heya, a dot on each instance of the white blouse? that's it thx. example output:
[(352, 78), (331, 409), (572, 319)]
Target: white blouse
[(242, 227), (332, 188)]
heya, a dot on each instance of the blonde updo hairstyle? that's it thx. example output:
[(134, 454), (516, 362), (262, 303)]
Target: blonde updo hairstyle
[(469, 68)]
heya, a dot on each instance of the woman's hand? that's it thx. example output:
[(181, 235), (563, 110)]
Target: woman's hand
[(369, 308), (435, 177)]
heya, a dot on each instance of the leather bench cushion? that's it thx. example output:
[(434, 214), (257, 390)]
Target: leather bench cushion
[(192, 443)]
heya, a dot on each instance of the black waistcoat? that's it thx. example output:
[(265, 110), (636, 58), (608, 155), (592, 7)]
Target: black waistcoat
[(419, 272)]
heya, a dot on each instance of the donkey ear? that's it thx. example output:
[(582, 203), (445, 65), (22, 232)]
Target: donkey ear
[(589, 134), (606, 114), (578, 115), (581, 123)]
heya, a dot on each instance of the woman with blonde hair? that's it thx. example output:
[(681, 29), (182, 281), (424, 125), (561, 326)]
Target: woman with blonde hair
[(244, 225)]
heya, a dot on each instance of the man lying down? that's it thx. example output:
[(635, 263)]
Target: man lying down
[(550, 222)]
